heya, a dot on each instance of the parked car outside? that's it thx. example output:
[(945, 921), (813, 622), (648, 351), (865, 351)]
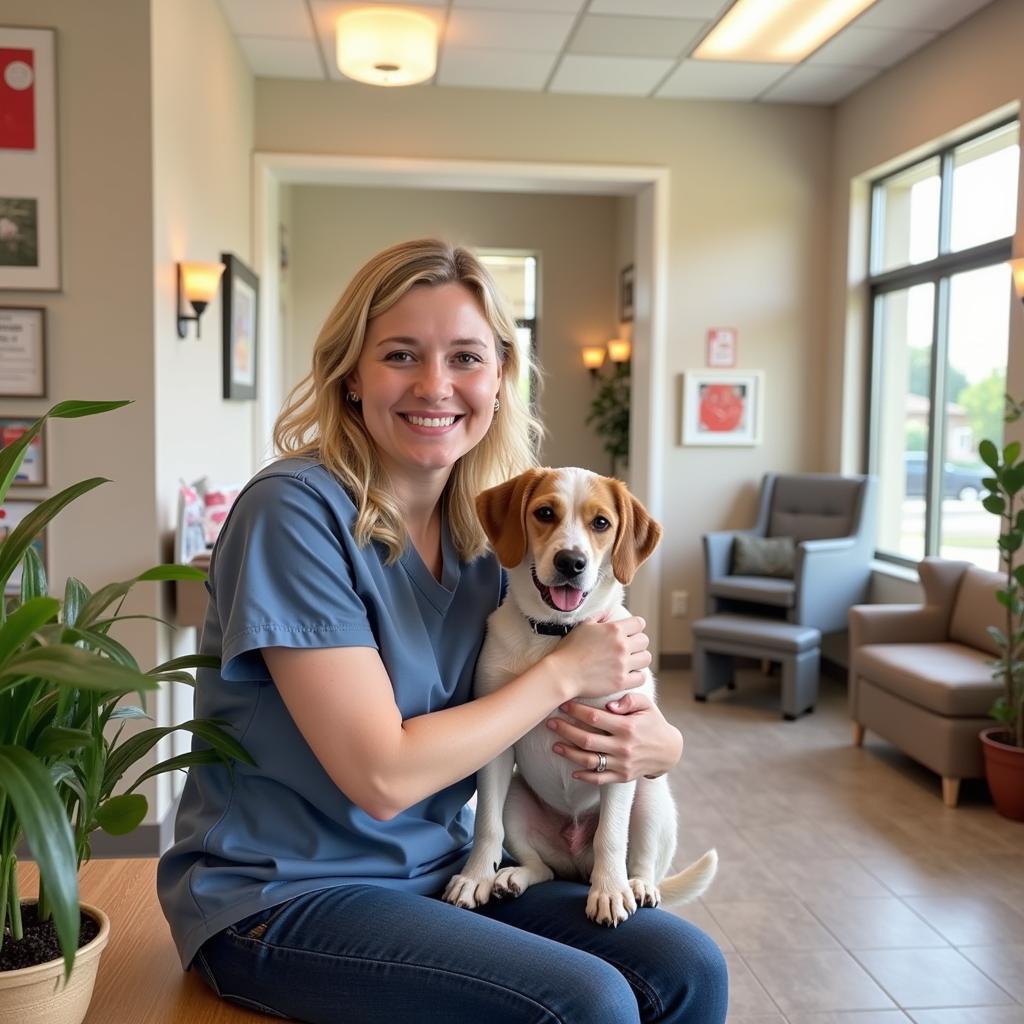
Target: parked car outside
[(960, 482)]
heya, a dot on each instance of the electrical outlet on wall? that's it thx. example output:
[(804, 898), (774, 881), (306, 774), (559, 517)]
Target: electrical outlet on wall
[(680, 604)]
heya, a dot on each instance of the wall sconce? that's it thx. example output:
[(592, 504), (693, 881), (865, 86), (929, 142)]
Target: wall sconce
[(386, 47), (1017, 267), (197, 283), (618, 351), (593, 358)]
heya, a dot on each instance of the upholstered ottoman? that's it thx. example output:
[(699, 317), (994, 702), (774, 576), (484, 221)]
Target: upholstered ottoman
[(718, 639)]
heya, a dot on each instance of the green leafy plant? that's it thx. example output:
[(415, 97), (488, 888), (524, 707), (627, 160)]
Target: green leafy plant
[(609, 412), (62, 678), (1004, 500)]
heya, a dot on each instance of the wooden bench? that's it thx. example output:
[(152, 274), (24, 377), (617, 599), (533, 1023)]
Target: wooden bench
[(140, 979)]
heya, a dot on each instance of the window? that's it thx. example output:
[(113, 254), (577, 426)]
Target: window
[(941, 296), (516, 277)]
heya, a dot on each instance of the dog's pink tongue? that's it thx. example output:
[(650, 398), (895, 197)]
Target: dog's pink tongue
[(566, 599)]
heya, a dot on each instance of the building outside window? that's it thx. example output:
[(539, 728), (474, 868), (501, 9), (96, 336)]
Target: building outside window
[(941, 295)]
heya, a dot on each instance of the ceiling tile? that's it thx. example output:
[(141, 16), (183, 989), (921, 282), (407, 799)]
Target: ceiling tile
[(612, 76), (818, 83), (495, 69), (281, 58), (287, 18), (661, 8), (507, 30), (721, 80), (634, 37), (871, 47), (543, 6), (326, 12), (931, 15)]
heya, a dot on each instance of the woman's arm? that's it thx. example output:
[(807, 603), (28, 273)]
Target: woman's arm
[(343, 704)]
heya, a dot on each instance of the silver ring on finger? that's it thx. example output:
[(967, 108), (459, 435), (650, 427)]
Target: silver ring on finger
[(602, 762)]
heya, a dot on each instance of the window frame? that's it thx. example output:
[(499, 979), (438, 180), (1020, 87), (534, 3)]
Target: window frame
[(937, 271)]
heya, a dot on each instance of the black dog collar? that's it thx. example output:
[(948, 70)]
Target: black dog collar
[(551, 628)]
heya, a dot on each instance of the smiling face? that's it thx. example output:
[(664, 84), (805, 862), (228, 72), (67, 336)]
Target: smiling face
[(427, 379)]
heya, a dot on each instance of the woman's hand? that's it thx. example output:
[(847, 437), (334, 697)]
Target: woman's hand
[(633, 735), (601, 658)]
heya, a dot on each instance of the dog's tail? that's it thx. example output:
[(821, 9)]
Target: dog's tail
[(691, 882)]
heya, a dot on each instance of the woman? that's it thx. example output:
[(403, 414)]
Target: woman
[(349, 591)]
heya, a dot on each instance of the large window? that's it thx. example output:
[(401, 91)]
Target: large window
[(941, 295)]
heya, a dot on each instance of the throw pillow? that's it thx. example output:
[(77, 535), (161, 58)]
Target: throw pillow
[(763, 556)]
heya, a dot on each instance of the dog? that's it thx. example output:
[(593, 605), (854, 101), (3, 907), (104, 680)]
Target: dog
[(570, 539)]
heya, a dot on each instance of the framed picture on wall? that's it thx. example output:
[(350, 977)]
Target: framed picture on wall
[(626, 281), (722, 408), (240, 298), (32, 472), (11, 515), (22, 352), (29, 229)]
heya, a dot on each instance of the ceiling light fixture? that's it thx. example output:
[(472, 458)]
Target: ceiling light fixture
[(777, 31), (386, 46)]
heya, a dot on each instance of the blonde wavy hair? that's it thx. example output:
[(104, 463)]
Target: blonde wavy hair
[(318, 422)]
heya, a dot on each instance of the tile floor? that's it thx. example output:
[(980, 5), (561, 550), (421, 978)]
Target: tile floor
[(847, 892)]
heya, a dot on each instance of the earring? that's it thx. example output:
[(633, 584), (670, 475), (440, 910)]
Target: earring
[(497, 405), (353, 398)]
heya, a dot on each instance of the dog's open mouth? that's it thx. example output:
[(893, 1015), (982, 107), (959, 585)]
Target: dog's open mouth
[(564, 598)]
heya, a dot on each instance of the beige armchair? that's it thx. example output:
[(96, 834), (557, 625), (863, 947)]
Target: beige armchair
[(920, 675)]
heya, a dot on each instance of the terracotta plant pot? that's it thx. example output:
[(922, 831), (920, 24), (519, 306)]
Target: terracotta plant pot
[(38, 995), (1004, 769)]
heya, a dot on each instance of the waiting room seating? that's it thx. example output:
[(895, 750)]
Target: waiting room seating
[(832, 521), (919, 674)]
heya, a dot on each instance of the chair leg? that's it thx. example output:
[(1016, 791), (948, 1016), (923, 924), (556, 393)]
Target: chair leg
[(858, 734), (950, 791)]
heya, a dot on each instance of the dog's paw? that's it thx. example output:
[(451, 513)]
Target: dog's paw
[(610, 904), (646, 893), (469, 891), (515, 881)]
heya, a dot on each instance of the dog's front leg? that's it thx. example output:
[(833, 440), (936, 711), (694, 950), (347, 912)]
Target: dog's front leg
[(611, 898), (472, 887)]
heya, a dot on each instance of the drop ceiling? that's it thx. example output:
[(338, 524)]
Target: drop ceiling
[(598, 47)]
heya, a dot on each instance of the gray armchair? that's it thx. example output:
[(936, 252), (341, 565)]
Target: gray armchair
[(832, 521)]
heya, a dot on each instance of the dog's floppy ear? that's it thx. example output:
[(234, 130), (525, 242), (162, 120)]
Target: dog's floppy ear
[(637, 537), (502, 512)]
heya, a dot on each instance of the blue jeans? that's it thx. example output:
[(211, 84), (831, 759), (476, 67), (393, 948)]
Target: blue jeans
[(364, 953)]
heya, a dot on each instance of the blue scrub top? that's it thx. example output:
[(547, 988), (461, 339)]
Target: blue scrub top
[(287, 572)]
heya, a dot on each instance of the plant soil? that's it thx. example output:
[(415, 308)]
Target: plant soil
[(39, 943)]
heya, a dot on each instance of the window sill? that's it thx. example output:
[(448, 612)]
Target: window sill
[(896, 572)]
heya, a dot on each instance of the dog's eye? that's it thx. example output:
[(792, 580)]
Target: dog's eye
[(600, 524), (545, 513)]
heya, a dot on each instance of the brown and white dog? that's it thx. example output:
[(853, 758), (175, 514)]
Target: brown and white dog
[(570, 539)]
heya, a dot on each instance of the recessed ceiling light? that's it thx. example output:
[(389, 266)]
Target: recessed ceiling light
[(777, 31)]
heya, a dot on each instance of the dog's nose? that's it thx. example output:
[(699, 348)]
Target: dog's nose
[(570, 563)]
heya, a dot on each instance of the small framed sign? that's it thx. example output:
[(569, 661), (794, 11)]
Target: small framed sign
[(32, 472), (240, 297), (626, 286), (11, 514), (721, 347), (22, 352)]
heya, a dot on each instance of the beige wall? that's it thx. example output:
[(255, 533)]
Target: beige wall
[(99, 325), (334, 230), (202, 145), (964, 76), (747, 232)]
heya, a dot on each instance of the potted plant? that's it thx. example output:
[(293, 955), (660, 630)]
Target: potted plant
[(62, 753), (609, 413), (1003, 745)]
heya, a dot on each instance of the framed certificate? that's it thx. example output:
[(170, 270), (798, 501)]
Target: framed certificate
[(32, 472), (22, 352)]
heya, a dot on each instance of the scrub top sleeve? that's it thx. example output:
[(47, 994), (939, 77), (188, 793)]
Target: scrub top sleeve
[(281, 577)]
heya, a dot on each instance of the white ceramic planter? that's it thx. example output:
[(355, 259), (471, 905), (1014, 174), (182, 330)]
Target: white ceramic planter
[(38, 995)]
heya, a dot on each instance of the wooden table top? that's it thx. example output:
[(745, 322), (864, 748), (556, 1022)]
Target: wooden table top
[(140, 980)]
